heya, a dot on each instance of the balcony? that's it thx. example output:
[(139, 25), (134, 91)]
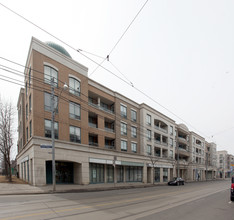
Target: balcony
[(161, 126), (93, 120), (109, 143), (93, 140), (161, 129), (109, 125), (182, 140), (101, 103)]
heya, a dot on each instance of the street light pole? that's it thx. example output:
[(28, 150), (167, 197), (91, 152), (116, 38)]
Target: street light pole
[(52, 134)]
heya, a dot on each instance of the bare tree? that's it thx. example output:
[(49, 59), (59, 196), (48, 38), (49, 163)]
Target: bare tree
[(153, 160), (6, 135)]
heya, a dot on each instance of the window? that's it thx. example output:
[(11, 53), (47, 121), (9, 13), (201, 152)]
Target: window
[(30, 103), (74, 134), (74, 110), (96, 172), (171, 142), (74, 86), (50, 74), (165, 174), (133, 174), (171, 130), (148, 135), (157, 174), (26, 88), (171, 154), (123, 128), (47, 102), (134, 132), (110, 173), (124, 145), (27, 133), (123, 111), (30, 129), (48, 129), (133, 115), (149, 150), (29, 77), (148, 119), (27, 111), (134, 147)]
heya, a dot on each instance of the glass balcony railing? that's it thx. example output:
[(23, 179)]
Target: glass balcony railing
[(109, 147), (109, 130), (93, 125), (101, 107)]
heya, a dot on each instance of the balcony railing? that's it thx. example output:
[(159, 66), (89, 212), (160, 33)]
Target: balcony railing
[(157, 142), (161, 129), (93, 125), (109, 130), (109, 147), (101, 107), (93, 143)]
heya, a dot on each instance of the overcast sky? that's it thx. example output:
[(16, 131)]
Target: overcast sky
[(178, 52)]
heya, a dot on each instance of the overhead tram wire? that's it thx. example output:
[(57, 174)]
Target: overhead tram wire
[(37, 26), (107, 58), (133, 87), (142, 130), (128, 28), (44, 89), (101, 65)]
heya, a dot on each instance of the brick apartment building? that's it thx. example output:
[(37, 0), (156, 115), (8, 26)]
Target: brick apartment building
[(101, 136)]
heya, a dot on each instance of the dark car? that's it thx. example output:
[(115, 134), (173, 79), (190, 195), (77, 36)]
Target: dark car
[(232, 189), (176, 181)]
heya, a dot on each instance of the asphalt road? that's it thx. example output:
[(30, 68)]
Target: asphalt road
[(202, 200)]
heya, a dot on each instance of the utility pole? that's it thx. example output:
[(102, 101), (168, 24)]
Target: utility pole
[(206, 164), (52, 134)]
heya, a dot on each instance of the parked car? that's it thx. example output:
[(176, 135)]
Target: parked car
[(232, 189), (176, 181)]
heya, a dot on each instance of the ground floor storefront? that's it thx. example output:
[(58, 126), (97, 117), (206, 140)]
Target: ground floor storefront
[(77, 164)]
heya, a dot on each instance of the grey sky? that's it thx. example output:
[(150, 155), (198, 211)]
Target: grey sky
[(180, 53)]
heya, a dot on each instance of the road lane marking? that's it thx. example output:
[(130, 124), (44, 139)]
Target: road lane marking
[(98, 205)]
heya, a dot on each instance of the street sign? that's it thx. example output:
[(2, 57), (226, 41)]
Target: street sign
[(46, 146)]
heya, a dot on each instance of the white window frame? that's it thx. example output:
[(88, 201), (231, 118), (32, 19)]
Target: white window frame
[(134, 147), (134, 132), (124, 145), (123, 128)]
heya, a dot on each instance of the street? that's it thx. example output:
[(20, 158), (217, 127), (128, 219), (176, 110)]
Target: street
[(200, 200)]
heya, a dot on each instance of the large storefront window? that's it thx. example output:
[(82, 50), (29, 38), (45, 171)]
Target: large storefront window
[(120, 174), (165, 174), (157, 174), (96, 172), (110, 173), (133, 174)]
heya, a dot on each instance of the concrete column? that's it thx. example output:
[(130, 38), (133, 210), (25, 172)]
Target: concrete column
[(161, 175), (168, 174), (105, 173), (83, 173), (99, 101), (145, 173)]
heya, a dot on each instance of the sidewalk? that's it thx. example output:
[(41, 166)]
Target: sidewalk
[(22, 189)]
